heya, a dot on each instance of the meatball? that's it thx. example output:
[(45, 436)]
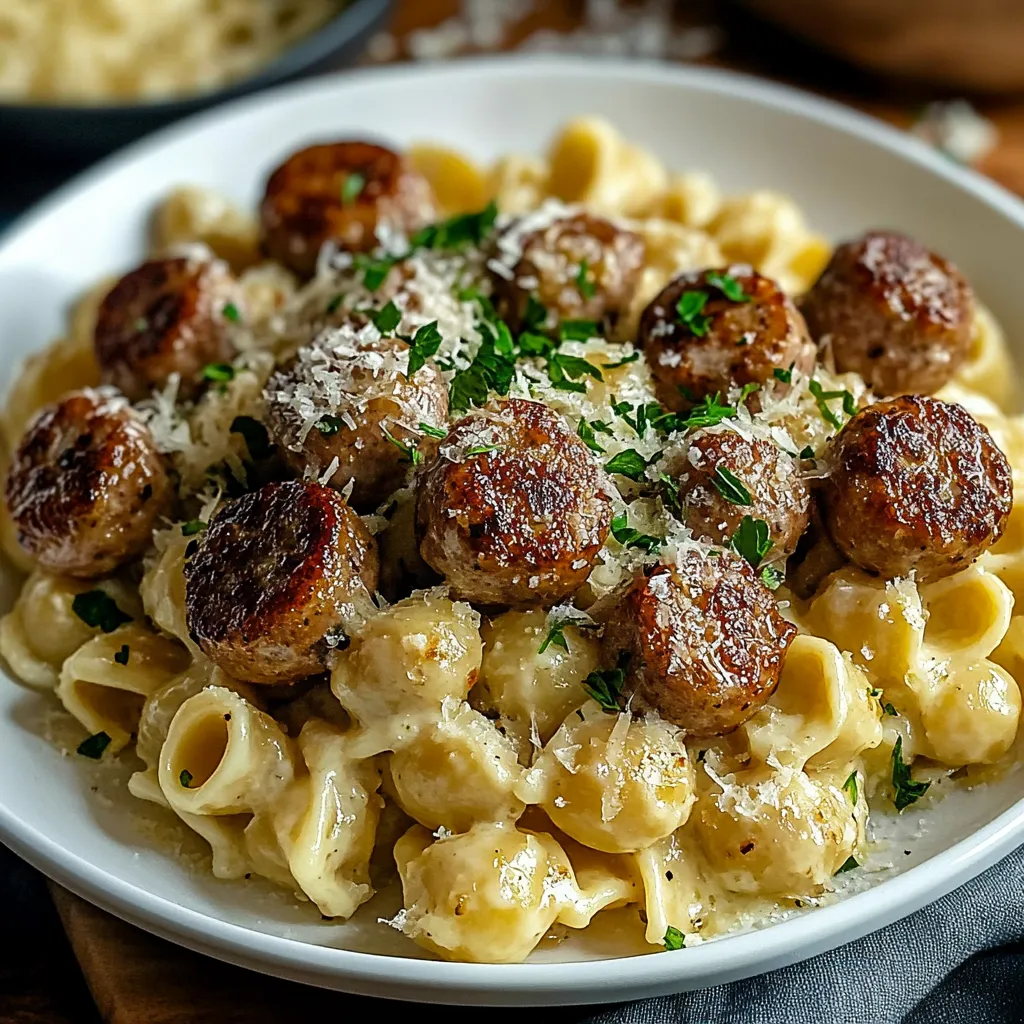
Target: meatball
[(770, 488), (167, 316), (340, 192), (580, 267), (352, 400), (915, 484), (700, 341), (86, 485), (701, 642), (276, 576), (893, 311), (514, 508)]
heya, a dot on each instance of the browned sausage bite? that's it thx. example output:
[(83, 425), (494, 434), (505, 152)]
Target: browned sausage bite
[(340, 192), (725, 475), (514, 508), (709, 330), (86, 485), (273, 577), (579, 267), (916, 484), (351, 404), (893, 311), (702, 642), (167, 316)]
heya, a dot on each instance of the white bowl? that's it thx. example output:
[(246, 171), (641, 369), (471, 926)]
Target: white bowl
[(849, 173)]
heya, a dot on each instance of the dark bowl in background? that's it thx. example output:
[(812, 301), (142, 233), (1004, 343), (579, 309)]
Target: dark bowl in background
[(75, 135)]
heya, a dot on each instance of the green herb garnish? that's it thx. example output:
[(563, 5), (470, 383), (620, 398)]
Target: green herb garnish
[(98, 609), (807, 452), (577, 330), (192, 527), (535, 314), (93, 746), (673, 938), (629, 463), (605, 687), (690, 309), (231, 313), (772, 577), (586, 286), (255, 435), (431, 431), (727, 285), (752, 541), (185, 778), (786, 376), (670, 493), (730, 487), (424, 344), (352, 187), (329, 425), (386, 319), (410, 451), (630, 538), (824, 397), (482, 449), (850, 788), (218, 372), (905, 790), (624, 361), (848, 865), (890, 710), (335, 303), (585, 431)]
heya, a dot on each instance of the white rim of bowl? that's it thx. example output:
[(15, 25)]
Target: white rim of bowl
[(726, 959)]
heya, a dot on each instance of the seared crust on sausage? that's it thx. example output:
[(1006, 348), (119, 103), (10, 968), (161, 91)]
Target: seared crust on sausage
[(306, 202), (778, 494), (514, 508), (167, 316), (580, 267), (915, 484), (893, 311), (702, 642), (86, 485), (727, 343), (359, 393), (274, 575)]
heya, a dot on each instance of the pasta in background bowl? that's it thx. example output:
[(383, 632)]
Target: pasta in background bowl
[(747, 830)]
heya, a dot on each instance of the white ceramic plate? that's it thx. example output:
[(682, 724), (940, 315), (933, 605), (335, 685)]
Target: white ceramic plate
[(849, 173)]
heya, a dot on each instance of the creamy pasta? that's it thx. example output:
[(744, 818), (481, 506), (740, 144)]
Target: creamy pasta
[(516, 519)]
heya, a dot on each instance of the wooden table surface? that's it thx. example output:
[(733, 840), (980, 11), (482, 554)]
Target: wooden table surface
[(137, 979)]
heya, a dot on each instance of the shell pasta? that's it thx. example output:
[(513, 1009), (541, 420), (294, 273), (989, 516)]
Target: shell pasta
[(536, 540)]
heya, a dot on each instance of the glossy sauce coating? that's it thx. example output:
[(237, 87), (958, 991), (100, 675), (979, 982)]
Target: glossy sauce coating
[(167, 316), (521, 522), (702, 642), (273, 576), (770, 479), (915, 484), (307, 202), (893, 311), (86, 485), (580, 267), (364, 394), (727, 343)]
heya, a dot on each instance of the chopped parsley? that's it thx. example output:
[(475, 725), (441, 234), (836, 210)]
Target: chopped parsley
[(220, 373), (772, 577), (335, 303), (629, 463), (410, 451), (630, 538), (329, 425), (905, 790), (185, 778), (565, 370), (493, 369), (786, 376), (890, 710), (586, 431), (605, 687), (730, 487), (254, 434), (577, 330), (824, 397), (482, 449), (807, 452), (385, 319), (556, 634), (851, 789), (192, 527), (705, 413), (690, 308), (98, 609), (673, 938), (375, 268), (431, 431), (624, 361), (231, 313), (670, 493), (423, 344), (751, 540), (93, 746), (727, 285), (458, 231), (352, 187), (848, 865), (586, 286), (535, 315), (122, 656)]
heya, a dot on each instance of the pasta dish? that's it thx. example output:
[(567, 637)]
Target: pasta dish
[(543, 538), (98, 51)]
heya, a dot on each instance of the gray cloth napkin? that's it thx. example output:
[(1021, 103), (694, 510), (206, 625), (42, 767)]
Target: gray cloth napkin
[(958, 961)]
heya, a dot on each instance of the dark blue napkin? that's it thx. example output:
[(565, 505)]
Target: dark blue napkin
[(958, 961)]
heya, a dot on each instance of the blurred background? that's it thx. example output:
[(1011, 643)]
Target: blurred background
[(81, 78)]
